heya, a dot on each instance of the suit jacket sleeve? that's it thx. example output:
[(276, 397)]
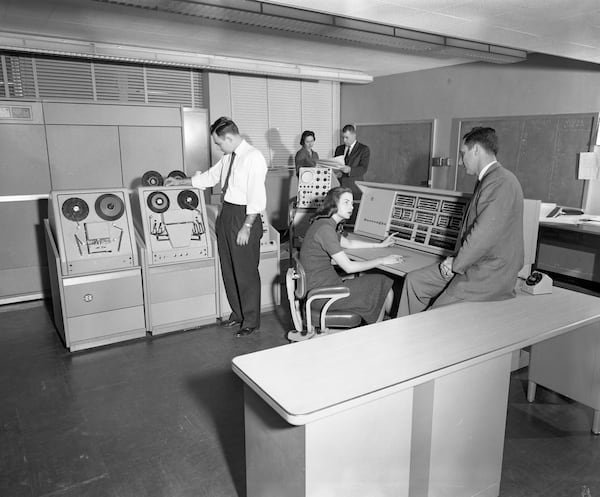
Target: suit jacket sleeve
[(494, 209), (361, 163)]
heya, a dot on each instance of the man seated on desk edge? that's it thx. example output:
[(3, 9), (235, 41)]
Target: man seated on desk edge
[(490, 251)]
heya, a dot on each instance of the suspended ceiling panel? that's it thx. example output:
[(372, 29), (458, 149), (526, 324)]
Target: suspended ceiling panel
[(564, 28), (99, 22)]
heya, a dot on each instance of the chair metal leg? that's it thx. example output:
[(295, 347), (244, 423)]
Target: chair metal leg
[(299, 336), (531, 387)]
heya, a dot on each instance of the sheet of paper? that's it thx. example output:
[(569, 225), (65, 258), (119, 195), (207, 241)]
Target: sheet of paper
[(335, 162), (588, 166)]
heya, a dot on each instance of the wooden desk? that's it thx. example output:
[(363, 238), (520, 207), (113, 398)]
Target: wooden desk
[(414, 406)]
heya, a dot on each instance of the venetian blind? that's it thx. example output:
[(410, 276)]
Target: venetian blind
[(272, 113), (285, 114), (250, 111), (318, 114), (28, 76)]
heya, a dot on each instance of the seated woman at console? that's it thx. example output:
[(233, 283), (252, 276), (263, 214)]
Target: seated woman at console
[(371, 295), (306, 156)]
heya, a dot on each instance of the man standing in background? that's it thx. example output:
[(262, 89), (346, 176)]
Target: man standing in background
[(356, 160), (241, 172)]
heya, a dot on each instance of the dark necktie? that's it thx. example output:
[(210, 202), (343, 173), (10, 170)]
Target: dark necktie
[(347, 155), (470, 206), (226, 184)]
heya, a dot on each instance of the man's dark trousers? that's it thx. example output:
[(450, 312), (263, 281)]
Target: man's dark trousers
[(239, 264)]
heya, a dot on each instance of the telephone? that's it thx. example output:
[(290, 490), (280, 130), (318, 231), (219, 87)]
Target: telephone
[(537, 284), (564, 211)]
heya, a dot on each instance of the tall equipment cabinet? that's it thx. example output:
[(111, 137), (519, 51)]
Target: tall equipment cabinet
[(180, 280), (95, 276)]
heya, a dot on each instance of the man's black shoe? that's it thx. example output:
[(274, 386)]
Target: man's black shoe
[(230, 323), (245, 332)]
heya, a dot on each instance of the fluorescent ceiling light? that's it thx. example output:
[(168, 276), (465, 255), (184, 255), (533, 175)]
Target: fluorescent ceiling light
[(126, 53)]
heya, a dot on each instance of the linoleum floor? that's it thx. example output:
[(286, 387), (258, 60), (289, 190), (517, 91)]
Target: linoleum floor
[(163, 416)]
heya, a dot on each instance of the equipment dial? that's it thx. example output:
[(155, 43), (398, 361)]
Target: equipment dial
[(307, 176)]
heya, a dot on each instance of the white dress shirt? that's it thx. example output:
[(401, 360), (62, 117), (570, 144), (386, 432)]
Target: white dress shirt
[(247, 179), (349, 148), (485, 170)]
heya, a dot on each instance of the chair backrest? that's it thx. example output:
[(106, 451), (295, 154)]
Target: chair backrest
[(295, 284), (301, 279)]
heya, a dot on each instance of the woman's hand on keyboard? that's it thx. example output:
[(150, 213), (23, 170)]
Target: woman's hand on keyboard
[(388, 242), (390, 260)]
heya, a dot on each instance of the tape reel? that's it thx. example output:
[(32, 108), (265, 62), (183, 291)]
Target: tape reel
[(109, 207), (187, 199), (152, 178), (158, 202), (75, 209), (177, 174)]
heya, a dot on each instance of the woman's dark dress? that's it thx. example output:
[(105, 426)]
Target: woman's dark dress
[(367, 292)]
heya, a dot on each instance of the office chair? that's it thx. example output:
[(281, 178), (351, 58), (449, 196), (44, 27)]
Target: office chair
[(305, 317)]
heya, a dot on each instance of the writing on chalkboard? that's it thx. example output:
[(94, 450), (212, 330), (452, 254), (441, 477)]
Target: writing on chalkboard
[(542, 151)]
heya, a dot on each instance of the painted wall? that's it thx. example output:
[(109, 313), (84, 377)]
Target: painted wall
[(540, 85)]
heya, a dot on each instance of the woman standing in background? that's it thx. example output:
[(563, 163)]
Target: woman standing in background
[(306, 156)]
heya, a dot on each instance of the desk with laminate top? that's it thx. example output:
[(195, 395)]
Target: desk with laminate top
[(414, 406)]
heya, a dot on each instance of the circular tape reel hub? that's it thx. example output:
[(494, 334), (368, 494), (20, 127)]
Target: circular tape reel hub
[(187, 199), (75, 209), (158, 202), (152, 178), (177, 174), (109, 207)]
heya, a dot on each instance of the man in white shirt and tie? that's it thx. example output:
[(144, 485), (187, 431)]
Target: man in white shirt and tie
[(356, 160), (241, 172)]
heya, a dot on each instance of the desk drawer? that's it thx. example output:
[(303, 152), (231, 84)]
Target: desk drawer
[(569, 253), (102, 292)]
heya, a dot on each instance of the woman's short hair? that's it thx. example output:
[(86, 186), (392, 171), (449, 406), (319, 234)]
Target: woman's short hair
[(305, 135), (329, 206), (223, 126)]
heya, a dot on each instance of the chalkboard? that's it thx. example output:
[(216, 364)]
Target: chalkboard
[(541, 151), (400, 153)]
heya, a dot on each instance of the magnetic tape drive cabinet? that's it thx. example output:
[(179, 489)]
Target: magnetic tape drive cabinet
[(268, 266), (95, 276), (180, 278)]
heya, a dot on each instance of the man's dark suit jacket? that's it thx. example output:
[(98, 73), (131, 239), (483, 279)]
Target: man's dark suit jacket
[(358, 162), (491, 252)]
